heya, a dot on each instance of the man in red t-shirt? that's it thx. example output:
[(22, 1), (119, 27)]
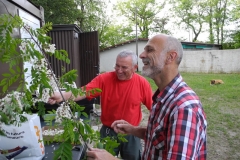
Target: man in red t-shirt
[(123, 92)]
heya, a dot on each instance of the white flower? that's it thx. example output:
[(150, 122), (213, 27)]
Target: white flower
[(63, 111), (8, 99), (51, 48), (27, 27), (52, 132), (23, 47)]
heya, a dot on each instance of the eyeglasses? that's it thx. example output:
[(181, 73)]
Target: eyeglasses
[(123, 68)]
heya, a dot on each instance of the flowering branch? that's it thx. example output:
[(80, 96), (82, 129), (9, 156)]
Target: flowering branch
[(43, 82)]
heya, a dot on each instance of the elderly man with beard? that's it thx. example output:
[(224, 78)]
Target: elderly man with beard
[(177, 124)]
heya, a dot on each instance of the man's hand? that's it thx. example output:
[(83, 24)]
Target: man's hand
[(99, 154), (56, 97), (122, 126)]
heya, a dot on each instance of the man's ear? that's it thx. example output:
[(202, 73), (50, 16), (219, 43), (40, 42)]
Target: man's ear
[(135, 67), (171, 56)]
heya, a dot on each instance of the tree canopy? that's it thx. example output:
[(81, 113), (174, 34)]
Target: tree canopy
[(148, 17), (144, 14), (58, 12)]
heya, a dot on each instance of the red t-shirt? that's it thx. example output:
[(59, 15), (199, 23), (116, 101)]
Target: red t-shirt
[(121, 99)]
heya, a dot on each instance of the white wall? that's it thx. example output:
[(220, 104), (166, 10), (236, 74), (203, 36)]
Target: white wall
[(211, 61), (108, 57), (205, 61)]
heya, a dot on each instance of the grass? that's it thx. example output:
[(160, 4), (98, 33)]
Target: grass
[(221, 104)]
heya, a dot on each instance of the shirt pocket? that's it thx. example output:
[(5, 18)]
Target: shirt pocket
[(159, 138)]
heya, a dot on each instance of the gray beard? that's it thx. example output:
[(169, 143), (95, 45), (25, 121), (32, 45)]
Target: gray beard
[(151, 72)]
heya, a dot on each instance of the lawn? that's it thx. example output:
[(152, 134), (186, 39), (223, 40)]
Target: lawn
[(222, 106)]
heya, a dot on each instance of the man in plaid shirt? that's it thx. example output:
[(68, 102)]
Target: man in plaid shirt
[(177, 123)]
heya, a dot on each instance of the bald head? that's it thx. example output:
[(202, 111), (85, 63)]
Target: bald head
[(168, 44), (162, 55)]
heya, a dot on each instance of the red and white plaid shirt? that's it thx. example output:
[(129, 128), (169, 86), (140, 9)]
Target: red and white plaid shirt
[(177, 125)]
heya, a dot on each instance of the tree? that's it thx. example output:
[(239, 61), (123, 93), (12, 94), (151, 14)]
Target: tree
[(218, 19), (210, 22), (191, 14), (144, 14), (89, 15), (92, 16), (115, 34), (234, 34), (58, 12)]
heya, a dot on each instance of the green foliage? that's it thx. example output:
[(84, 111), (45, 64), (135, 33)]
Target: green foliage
[(8, 44), (144, 14), (116, 34), (50, 117), (234, 42), (191, 14), (110, 146), (109, 143), (62, 55), (64, 152), (15, 51), (10, 78), (58, 12), (87, 14)]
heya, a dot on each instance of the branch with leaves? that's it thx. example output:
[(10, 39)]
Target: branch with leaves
[(14, 51)]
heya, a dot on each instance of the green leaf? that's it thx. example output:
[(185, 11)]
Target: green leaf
[(3, 82), (18, 69), (88, 128), (6, 74), (4, 89), (64, 151), (12, 71), (98, 90), (100, 145)]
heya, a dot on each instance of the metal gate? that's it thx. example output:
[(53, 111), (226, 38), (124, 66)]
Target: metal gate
[(83, 51), (89, 56)]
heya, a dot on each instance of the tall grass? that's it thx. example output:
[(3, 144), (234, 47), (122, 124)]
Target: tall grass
[(221, 104)]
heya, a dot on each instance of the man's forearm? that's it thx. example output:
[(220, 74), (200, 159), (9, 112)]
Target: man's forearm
[(78, 98), (139, 131), (69, 95)]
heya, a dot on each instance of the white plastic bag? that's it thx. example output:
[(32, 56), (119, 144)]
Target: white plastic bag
[(28, 135)]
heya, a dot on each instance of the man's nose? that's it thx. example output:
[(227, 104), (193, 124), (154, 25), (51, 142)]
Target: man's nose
[(142, 55)]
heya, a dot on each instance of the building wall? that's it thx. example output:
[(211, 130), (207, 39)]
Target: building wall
[(108, 57), (205, 61), (211, 61)]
